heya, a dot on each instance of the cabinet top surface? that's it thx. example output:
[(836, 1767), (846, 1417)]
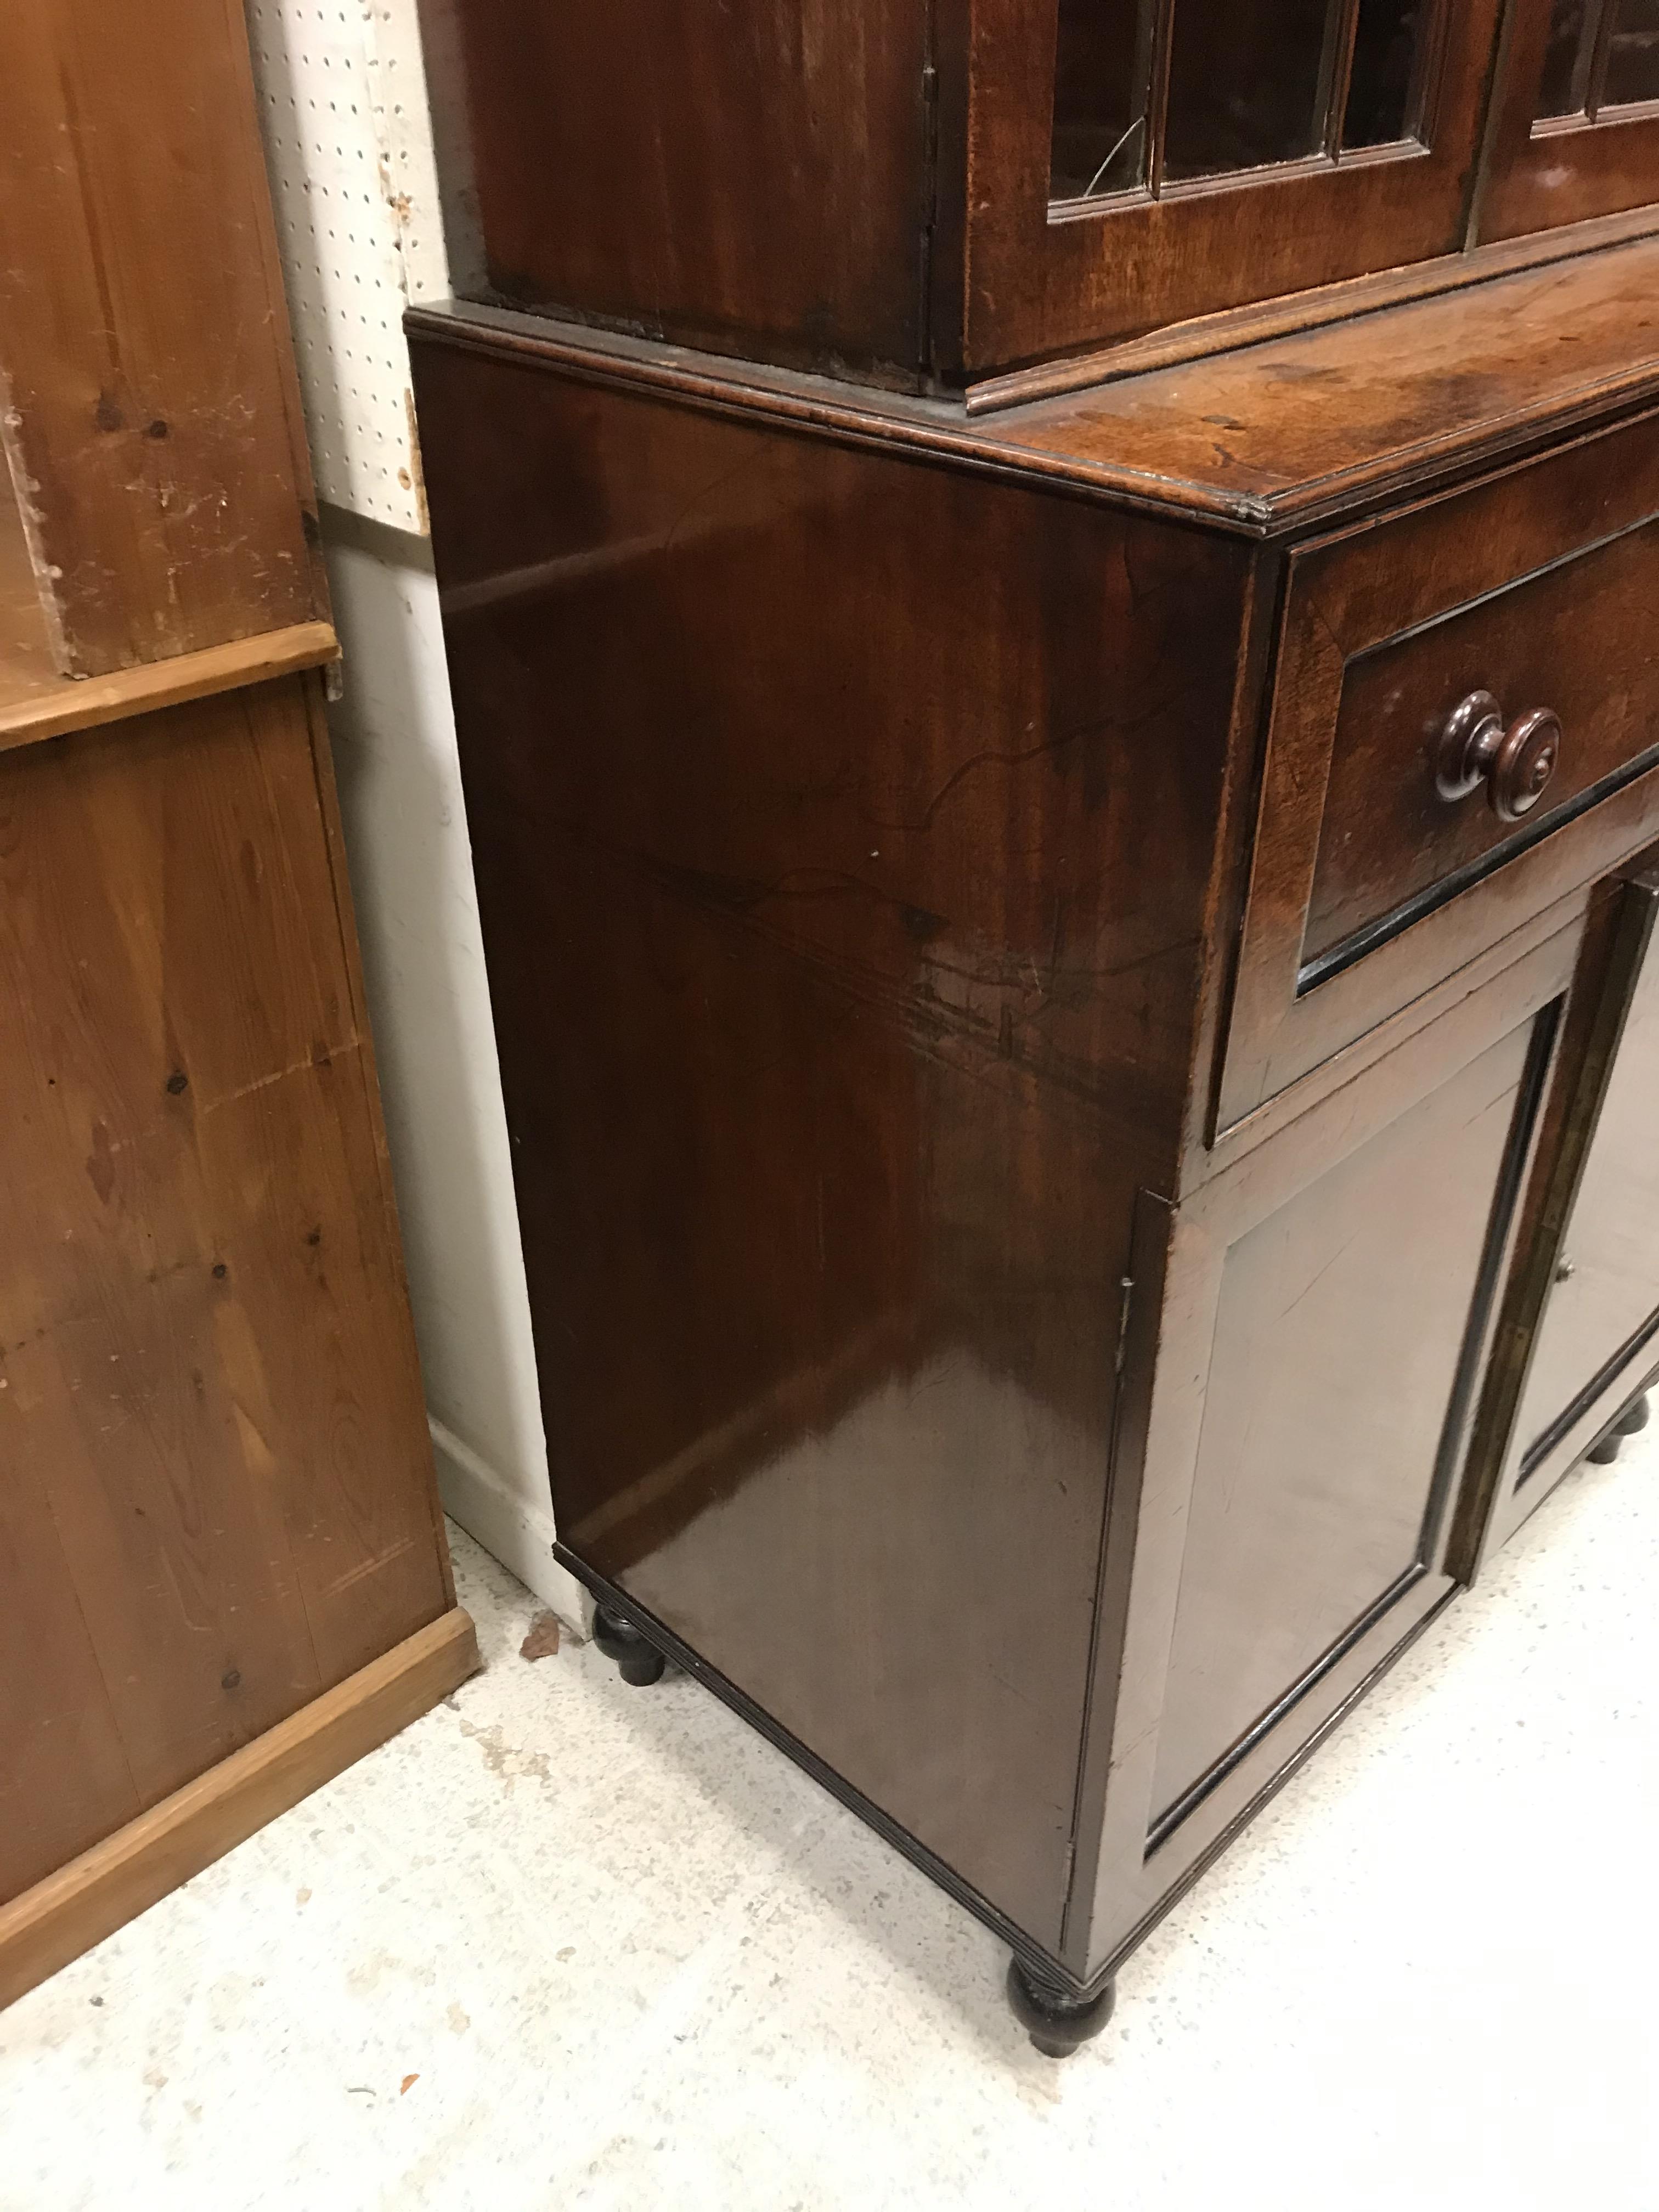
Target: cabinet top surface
[(1263, 438), (1301, 422)]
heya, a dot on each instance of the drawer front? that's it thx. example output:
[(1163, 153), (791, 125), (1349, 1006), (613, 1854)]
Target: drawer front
[(1464, 725), (1578, 642)]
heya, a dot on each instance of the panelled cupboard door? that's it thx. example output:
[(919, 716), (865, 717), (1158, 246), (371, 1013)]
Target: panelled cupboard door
[(1582, 1329), (1574, 129), (1326, 1309), (1133, 163)]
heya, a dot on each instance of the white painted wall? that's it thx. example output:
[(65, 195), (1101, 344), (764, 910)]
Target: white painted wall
[(348, 145), (428, 995), (354, 184)]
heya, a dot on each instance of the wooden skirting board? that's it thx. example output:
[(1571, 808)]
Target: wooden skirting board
[(93, 1895)]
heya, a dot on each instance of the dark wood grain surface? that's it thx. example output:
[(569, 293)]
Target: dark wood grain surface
[(1573, 167), (1035, 286), (843, 863), (1604, 1295), (1177, 1456), (758, 180), (1341, 1320), (1590, 1353), (1027, 1120), (874, 194), (1269, 438), (1290, 428), (1570, 640), (1345, 833)]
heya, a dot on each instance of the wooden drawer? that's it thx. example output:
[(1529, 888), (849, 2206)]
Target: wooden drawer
[(1371, 882)]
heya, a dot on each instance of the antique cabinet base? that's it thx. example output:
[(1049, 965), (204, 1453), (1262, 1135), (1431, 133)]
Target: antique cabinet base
[(1038, 1971), (637, 1659), (1058, 2022), (1044, 1114), (1631, 1423)]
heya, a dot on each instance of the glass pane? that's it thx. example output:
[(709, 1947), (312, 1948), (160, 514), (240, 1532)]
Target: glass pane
[(1632, 54), (1246, 84), (1383, 78), (1101, 71), (1567, 58)]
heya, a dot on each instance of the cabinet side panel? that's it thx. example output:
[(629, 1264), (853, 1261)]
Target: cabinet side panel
[(753, 179), (841, 829)]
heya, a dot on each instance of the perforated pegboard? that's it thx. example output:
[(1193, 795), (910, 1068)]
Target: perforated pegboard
[(348, 145)]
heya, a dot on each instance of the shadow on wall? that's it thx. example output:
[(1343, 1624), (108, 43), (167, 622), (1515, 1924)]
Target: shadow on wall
[(428, 999)]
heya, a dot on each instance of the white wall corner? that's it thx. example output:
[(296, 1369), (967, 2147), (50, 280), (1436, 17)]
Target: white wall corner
[(514, 1531), (353, 185), (428, 995)]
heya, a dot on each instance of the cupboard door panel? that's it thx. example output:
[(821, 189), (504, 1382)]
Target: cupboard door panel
[(1304, 1347), (1336, 1376), (1604, 1304)]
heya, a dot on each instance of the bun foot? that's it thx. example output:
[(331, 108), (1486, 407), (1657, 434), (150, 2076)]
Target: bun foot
[(638, 1660), (1631, 1423), (1057, 2020)]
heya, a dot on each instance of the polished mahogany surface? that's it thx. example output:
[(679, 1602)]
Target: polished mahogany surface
[(1366, 881), (927, 195), (1604, 1299), (1294, 427), (1337, 1340), (843, 828), (756, 179), (1237, 178), (1266, 438), (1004, 1318), (1565, 642), (1574, 127), (917, 193)]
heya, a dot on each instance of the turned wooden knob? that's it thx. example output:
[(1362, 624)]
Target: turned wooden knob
[(1515, 764)]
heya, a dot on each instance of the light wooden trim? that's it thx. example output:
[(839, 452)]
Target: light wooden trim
[(52, 708), (93, 1895)]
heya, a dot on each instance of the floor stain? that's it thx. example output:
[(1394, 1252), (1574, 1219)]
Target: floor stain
[(366, 1976), (505, 1760)]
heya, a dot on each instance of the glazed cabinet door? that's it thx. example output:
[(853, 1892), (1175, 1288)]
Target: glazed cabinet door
[(1575, 123), (1138, 162), (1326, 1314), (1581, 1324)]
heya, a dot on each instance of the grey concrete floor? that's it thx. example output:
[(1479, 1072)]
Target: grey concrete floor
[(567, 1944)]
